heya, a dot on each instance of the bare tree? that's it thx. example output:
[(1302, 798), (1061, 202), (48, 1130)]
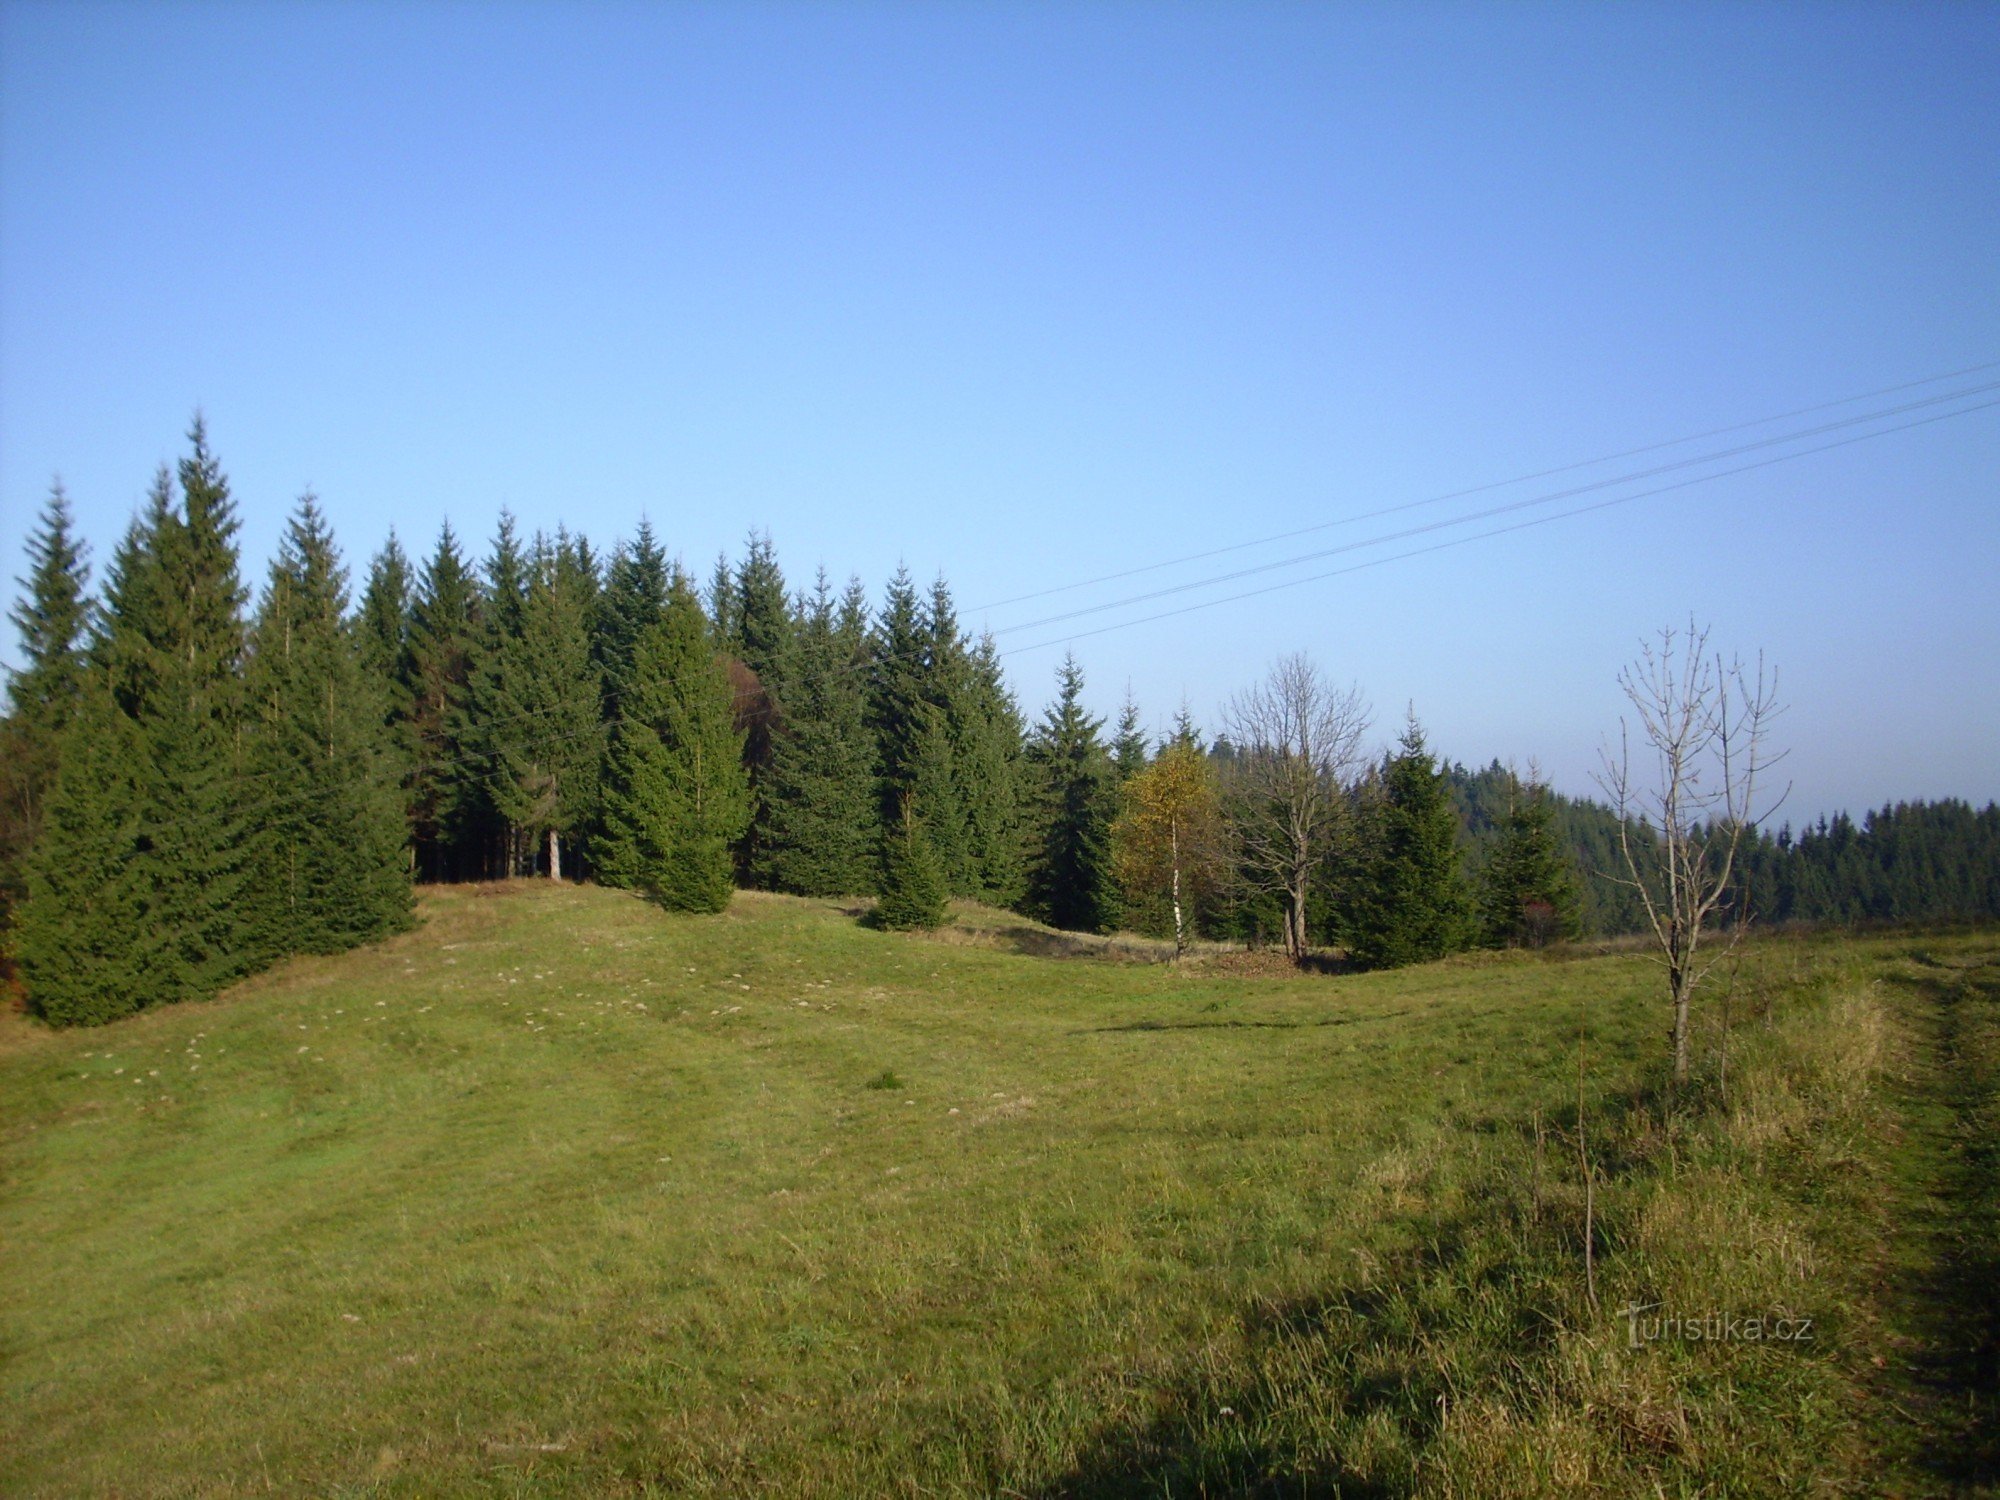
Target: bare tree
[(1299, 743), (1706, 722)]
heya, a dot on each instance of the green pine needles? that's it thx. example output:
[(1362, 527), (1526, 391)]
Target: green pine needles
[(1411, 903), (327, 868), (915, 895), (224, 795), (821, 833), (676, 796), (1528, 890), (1070, 881)]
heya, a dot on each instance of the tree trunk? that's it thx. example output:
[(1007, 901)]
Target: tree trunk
[(1295, 923), (1680, 979), (555, 855), (1180, 932)]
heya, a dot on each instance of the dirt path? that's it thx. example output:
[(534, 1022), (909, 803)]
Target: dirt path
[(1942, 1373)]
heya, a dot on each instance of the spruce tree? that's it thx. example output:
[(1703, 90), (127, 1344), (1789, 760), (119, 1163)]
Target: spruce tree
[(897, 647), (942, 788), (84, 933), (382, 633), (121, 642), (51, 618), (382, 624), (991, 766), (676, 799), (194, 832), (1069, 878), (921, 668), (328, 869), (722, 601), (168, 651), (1528, 890), (443, 618), (822, 832), (635, 596), (1409, 904), (500, 845), (1128, 745), (544, 701), (760, 621), (914, 894), (760, 637)]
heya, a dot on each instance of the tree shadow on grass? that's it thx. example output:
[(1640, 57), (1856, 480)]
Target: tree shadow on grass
[(1202, 1440), (1229, 1024), (1477, 1299), (1954, 1301)]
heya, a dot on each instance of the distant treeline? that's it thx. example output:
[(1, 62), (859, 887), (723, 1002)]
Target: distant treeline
[(1913, 862), (194, 788)]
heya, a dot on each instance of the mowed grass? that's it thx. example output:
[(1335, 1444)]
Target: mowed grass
[(560, 1194)]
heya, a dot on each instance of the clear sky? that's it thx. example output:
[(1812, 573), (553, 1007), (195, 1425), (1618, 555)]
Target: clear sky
[(1031, 294)]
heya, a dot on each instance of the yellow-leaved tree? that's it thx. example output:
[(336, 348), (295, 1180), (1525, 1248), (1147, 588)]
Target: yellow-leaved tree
[(1170, 845)]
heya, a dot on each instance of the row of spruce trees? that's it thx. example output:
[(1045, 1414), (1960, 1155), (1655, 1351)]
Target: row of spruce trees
[(190, 793)]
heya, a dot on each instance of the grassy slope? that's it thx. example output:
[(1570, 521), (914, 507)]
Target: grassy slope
[(562, 1194)]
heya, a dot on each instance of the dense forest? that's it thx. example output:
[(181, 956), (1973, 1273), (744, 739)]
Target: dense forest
[(198, 783)]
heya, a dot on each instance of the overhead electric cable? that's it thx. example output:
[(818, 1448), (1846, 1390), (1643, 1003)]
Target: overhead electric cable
[(1479, 489), (1460, 541), (1496, 510)]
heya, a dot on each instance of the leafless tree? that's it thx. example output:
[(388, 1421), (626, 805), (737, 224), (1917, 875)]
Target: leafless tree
[(1299, 743), (1706, 722)]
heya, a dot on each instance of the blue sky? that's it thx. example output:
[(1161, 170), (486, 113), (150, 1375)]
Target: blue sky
[(1034, 294)]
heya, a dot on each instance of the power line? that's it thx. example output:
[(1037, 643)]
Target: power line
[(1375, 562), (1480, 489), (1512, 505)]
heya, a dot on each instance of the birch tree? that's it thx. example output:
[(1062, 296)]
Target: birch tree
[(1169, 842)]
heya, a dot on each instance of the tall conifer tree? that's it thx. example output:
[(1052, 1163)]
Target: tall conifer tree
[(194, 836), (990, 760), (822, 833), (1528, 890), (545, 704), (1410, 904), (676, 799), (382, 632), (51, 617), (760, 621), (635, 596), (1128, 745), (942, 788), (328, 866), (760, 637), (382, 625), (443, 618), (896, 650), (722, 601), (502, 844), (1069, 878), (84, 933), (169, 647)]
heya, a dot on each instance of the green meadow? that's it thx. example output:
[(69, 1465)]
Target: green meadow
[(558, 1194)]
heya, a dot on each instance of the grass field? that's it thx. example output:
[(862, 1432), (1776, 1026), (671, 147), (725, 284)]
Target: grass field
[(561, 1195)]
